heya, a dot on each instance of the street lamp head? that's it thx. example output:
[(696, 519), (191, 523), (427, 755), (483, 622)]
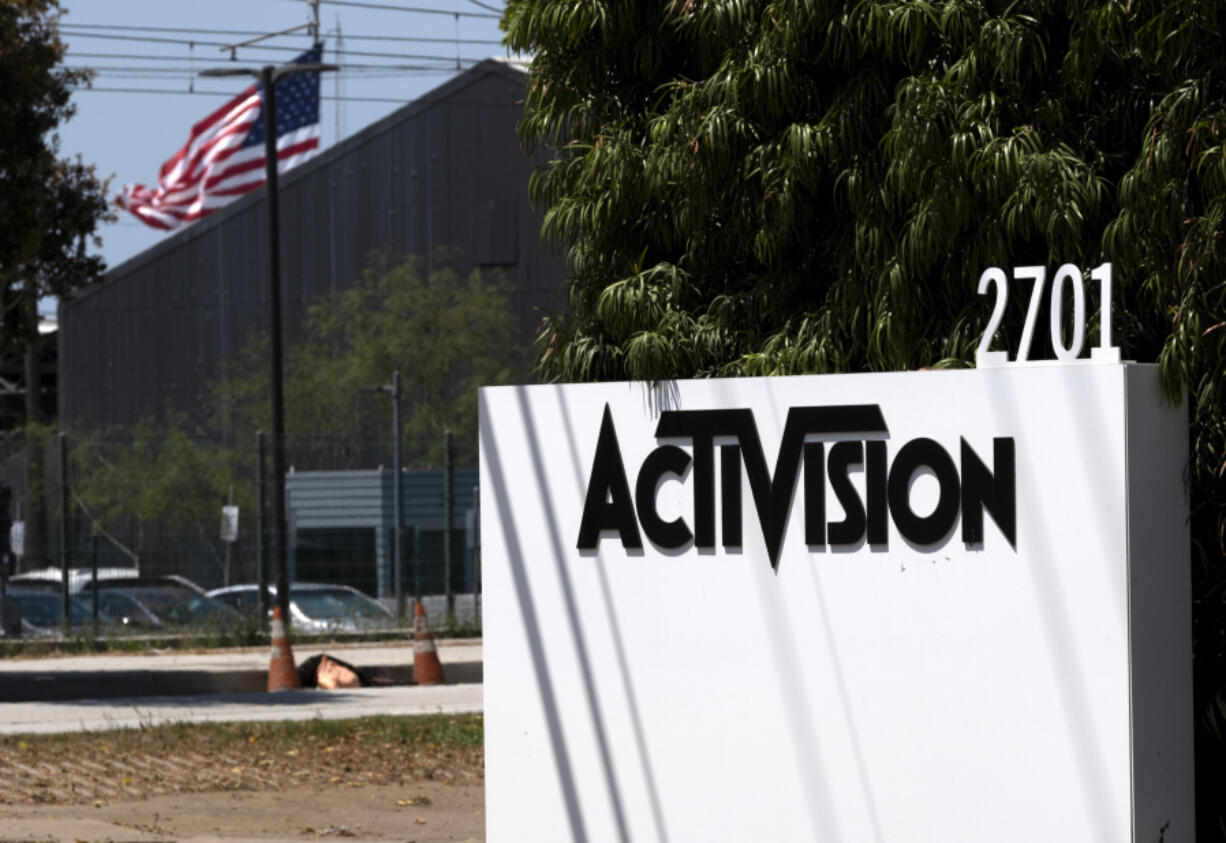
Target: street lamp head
[(229, 71), (276, 72), (307, 67)]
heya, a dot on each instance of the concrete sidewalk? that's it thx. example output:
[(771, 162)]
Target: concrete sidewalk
[(170, 674), (142, 712)]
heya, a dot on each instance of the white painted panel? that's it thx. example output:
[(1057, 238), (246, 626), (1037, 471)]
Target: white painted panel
[(950, 692)]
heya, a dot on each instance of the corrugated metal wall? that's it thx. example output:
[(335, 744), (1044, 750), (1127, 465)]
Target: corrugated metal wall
[(446, 171), (348, 500), (327, 499)]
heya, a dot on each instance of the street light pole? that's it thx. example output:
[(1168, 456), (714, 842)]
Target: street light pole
[(397, 498), (268, 76), (280, 533), (393, 389)]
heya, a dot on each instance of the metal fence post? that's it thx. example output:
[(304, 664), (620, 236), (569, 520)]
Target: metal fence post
[(93, 575), (476, 586), (261, 540), (65, 553), (397, 501), (447, 529), (417, 562)]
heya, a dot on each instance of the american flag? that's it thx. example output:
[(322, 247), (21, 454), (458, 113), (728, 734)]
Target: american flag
[(224, 155)]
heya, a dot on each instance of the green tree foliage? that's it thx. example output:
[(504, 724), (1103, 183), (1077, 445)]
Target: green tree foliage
[(164, 476), (49, 207), (749, 187), (445, 334)]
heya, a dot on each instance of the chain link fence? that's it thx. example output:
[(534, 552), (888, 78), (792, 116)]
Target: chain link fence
[(163, 504)]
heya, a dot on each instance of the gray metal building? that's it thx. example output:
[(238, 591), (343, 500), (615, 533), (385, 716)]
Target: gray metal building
[(444, 171), (342, 521)]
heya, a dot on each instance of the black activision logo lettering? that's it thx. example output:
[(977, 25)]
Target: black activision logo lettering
[(609, 506)]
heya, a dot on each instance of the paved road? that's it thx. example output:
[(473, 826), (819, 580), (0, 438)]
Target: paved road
[(90, 715), (94, 680), (363, 655)]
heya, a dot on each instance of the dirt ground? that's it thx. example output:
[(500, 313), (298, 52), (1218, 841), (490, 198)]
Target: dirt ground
[(418, 779)]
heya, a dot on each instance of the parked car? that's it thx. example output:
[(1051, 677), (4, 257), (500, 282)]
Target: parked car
[(77, 577), (123, 610), (314, 606), (80, 578), (42, 611), (160, 601)]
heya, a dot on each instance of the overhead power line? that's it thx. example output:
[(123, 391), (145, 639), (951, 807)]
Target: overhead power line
[(450, 101), (355, 68), (414, 9), (157, 39), (135, 56), (73, 54), (180, 92), (220, 44), (66, 28)]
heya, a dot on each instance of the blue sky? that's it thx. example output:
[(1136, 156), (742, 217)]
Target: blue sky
[(129, 134)]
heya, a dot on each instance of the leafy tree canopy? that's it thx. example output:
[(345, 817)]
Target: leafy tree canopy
[(49, 206), (168, 477), (157, 477), (446, 334), (752, 187)]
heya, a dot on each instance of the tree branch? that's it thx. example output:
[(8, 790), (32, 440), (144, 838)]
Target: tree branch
[(102, 531)]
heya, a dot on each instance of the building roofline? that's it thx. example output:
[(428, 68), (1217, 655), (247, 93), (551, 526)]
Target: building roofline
[(508, 68)]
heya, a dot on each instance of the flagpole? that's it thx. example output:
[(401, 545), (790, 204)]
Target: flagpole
[(268, 76), (280, 532)]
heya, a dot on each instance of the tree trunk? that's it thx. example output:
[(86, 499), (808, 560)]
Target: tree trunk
[(35, 555)]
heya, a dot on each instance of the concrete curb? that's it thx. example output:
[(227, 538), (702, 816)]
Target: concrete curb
[(169, 675)]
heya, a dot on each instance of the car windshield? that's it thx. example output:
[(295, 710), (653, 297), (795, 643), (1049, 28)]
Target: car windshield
[(243, 599), (173, 604), (46, 608), (336, 604)]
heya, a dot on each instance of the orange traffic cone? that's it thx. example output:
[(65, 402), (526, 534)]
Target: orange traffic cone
[(426, 667), (282, 674)]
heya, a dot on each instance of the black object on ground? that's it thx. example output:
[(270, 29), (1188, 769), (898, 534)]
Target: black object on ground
[(308, 672)]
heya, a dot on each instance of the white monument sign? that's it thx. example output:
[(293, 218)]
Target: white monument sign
[(924, 606)]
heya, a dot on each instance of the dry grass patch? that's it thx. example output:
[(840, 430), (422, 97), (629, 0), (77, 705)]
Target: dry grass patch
[(97, 767)]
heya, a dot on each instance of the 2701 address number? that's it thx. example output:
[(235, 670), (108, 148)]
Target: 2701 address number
[(1104, 352)]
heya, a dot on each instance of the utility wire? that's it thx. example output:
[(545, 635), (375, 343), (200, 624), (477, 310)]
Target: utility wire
[(188, 80), (245, 33), (344, 68), (147, 57), (139, 56), (180, 93), (219, 44), (417, 101), (413, 9), (484, 6)]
